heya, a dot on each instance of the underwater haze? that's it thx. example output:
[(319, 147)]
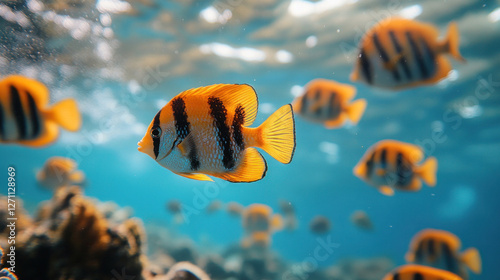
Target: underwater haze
[(123, 60)]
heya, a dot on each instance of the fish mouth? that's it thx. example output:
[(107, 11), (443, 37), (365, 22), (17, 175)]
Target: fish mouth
[(140, 147)]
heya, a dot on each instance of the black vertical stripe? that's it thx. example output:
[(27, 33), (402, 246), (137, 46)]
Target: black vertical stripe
[(383, 158), (430, 248), (156, 140), (424, 73), (317, 97), (17, 110), (2, 132), (239, 118), (448, 258), (385, 57), (419, 252), (35, 118), (403, 171), (218, 112), (333, 104), (418, 276), (305, 103), (396, 276), (429, 55), (366, 67), (403, 61), (182, 129), (369, 165)]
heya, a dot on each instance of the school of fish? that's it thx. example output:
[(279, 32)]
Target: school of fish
[(206, 132)]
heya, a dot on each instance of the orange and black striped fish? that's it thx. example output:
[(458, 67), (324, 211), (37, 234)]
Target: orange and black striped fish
[(399, 53), (390, 164), (440, 249), (204, 131), (259, 224), (420, 272), (25, 118), (58, 172), (327, 102)]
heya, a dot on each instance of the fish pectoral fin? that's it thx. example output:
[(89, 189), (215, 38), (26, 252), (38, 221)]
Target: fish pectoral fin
[(195, 176), (50, 135), (186, 145), (386, 190), (277, 222), (252, 168), (380, 172), (391, 64)]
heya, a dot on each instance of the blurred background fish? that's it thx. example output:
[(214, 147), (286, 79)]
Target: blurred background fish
[(412, 272), (59, 171), (320, 224), (398, 53), (391, 165), (25, 118), (326, 101), (440, 248)]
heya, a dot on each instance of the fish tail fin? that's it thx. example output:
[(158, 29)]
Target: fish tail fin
[(355, 110), (472, 259), (66, 114), (277, 134), (427, 171), (451, 43)]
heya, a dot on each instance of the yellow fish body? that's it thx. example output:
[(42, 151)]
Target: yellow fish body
[(204, 131), (58, 172), (400, 53), (440, 249), (420, 272), (325, 101), (24, 116), (390, 164)]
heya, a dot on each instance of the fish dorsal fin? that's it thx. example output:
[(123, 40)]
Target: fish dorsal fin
[(411, 152), (232, 96), (38, 91), (195, 176)]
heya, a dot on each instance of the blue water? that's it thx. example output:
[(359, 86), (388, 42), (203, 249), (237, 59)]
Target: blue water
[(456, 121)]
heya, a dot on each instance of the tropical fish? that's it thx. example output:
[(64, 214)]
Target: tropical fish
[(186, 271), (320, 224), (328, 102), (25, 118), (400, 53), (390, 164), (420, 272), (204, 131), (214, 206), (234, 208), (175, 207), (289, 217), (360, 219), (59, 171), (440, 249), (259, 223)]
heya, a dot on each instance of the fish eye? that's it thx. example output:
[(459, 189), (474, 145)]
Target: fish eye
[(156, 132)]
